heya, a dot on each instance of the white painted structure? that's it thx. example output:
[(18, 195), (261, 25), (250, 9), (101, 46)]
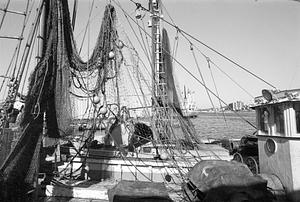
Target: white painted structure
[(278, 121)]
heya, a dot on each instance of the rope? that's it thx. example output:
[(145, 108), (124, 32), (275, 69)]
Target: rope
[(126, 16), (8, 69), (148, 45), (210, 48), (27, 68), (4, 15), (87, 25), (191, 74), (216, 89), (212, 62), (203, 81), (174, 54), (143, 42), (29, 44), (75, 7), (17, 49), (20, 41)]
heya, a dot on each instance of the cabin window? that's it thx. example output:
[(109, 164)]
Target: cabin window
[(297, 112), (264, 120), (279, 119)]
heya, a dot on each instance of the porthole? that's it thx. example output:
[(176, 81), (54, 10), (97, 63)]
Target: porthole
[(271, 145)]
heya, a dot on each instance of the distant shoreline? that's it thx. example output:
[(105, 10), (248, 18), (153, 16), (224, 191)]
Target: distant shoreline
[(227, 112)]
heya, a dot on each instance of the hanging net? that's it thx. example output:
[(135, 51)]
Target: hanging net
[(48, 93)]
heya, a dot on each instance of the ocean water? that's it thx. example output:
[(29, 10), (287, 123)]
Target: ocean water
[(215, 126)]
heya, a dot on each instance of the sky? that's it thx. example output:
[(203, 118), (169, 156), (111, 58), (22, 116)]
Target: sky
[(261, 35)]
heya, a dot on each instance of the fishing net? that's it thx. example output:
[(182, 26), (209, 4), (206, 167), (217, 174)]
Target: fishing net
[(51, 81), (49, 93), (167, 62), (187, 130)]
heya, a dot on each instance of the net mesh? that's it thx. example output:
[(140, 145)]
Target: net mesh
[(49, 87)]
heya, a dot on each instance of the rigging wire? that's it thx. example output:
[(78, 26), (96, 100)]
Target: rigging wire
[(247, 92), (209, 47), (146, 38), (17, 49), (22, 33), (8, 70), (147, 52), (222, 71), (29, 43), (190, 73), (5, 12), (148, 85), (131, 47), (27, 68), (132, 83), (205, 56), (126, 16), (170, 117), (200, 73), (140, 171), (175, 49), (75, 7), (216, 89), (241, 117), (87, 25)]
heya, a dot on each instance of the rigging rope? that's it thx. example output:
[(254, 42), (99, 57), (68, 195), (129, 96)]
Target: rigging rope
[(21, 36), (27, 68), (145, 52), (8, 70), (29, 44), (203, 81), (146, 38), (209, 47), (87, 25), (5, 11), (75, 7), (18, 46), (174, 54), (220, 69), (216, 89), (190, 72)]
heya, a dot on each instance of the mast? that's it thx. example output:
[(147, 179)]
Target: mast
[(159, 84)]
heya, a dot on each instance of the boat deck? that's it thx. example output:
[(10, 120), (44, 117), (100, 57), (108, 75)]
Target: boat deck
[(90, 191)]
